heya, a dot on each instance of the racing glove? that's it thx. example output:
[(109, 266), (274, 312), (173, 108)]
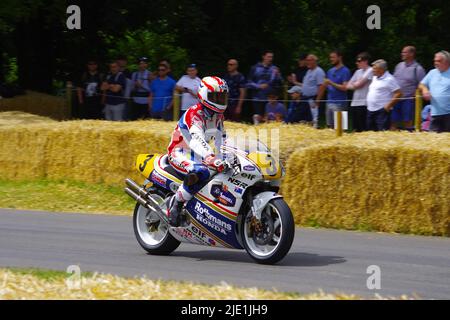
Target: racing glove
[(214, 163)]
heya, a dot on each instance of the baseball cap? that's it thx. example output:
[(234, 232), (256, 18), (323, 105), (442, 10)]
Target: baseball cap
[(143, 59), (295, 89)]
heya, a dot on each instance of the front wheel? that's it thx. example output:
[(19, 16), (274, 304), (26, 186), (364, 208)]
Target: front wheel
[(151, 233), (269, 240)]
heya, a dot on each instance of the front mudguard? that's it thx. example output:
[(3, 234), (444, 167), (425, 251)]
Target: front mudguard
[(261, 200)]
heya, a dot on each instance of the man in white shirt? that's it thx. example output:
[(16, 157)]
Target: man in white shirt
[(188, 85), (384, 92), (359, 83)]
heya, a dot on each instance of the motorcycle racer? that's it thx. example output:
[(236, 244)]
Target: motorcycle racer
[(189, 152)]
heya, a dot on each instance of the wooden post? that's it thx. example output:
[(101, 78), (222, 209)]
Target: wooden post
[(339, 123), (418, 109), (176, 105)]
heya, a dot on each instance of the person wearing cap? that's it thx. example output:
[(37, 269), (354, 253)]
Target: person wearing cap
[(384, 92), (188, 86), (436, 87), (141, 90), (299, 109)]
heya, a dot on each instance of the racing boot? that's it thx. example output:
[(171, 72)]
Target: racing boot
[(174, 211)]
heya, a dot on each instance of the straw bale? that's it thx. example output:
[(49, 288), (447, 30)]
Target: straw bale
[(394, 182), (22, 286)]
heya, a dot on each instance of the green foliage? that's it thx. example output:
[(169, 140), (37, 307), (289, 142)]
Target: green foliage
[(143, 42), (10, 69)]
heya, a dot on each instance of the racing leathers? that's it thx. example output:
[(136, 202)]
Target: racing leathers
[(191, 155)]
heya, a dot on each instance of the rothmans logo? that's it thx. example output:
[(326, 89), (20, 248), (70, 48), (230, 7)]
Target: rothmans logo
[(210, 220)]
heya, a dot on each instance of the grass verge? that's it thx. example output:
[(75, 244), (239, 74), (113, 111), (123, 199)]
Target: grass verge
[(64, 196), (55, 285)]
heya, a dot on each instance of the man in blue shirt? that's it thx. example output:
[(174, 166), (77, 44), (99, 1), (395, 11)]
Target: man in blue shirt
[(113, 89), (436, 87), (162, 88), (263, 78), (336, 84)]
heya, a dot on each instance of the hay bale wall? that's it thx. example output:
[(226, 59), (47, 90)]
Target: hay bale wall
[(395, 182)]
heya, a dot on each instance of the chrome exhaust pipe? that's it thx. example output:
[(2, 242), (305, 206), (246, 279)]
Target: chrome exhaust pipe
[(145, 203), (141, 191)]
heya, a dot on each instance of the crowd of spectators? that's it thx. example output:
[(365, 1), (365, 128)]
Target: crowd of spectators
[(376, 99)]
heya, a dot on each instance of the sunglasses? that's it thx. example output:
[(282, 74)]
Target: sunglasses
[(162, 70)]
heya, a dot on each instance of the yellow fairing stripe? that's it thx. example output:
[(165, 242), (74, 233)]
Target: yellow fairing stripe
[(145, 163), (270, 168)]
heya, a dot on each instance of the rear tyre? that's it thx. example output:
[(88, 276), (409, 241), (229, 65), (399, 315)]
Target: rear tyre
[(151, 233), (277, 230)]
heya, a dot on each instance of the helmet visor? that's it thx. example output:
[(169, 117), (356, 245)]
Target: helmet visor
[(220, 98)]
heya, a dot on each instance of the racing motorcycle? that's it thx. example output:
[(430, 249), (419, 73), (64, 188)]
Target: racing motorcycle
[(238, 208)]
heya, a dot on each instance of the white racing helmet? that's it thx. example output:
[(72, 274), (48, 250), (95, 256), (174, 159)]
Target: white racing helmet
[(213, 94)]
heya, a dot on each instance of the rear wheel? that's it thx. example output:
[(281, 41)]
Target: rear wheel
[(152, 234), (269, 240)]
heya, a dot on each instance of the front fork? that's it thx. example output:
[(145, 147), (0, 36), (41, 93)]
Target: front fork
[(257, 205)]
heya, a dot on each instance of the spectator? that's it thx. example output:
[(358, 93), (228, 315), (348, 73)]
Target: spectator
[(335, 83), (141, 90), (426, 118), (408, 74), (166, 63), (236, 90), (360, 84), (275, 110), (122, 61), (113, 88), (263, 78), (161, 102), (299, 109), (188, 85), (436, 87), (88, 92), (382, 96), (299, 74), (312, 81)]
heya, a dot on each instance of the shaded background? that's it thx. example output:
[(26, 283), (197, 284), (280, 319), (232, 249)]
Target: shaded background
[(38, 52)]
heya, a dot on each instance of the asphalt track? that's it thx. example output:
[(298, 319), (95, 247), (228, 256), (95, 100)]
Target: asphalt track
[(334, 261)]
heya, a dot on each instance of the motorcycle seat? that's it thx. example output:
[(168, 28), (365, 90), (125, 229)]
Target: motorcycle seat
[(169, 169)]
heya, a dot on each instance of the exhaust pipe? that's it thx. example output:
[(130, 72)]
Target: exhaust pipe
[(141, 192), (144, 199)]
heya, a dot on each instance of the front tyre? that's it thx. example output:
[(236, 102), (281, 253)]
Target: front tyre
[(151, 234), (269, 241)]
